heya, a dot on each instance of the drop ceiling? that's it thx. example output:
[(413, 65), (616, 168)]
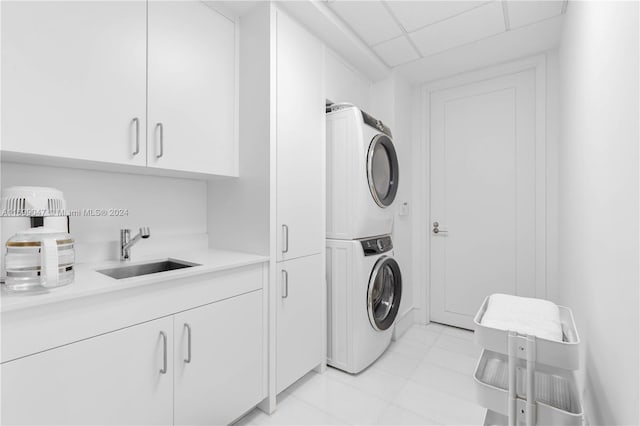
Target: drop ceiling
[(401, 32), (423, 40)]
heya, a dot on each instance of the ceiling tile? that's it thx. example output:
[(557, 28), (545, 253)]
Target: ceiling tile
[(470, 26), (504, 47), (396, 51), (417, 14), (369, 19), (523, 13)]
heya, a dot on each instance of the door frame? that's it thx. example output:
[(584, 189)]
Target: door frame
[(421, 161)]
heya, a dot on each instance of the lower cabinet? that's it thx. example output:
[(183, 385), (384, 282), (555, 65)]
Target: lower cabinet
[(299, 341), (218, 361), (200, 366), (123, 377)]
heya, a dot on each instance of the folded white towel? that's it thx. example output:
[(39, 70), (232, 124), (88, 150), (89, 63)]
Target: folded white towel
[(523, 315)]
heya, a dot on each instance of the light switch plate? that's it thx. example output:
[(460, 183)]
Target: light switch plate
[(404, 208)]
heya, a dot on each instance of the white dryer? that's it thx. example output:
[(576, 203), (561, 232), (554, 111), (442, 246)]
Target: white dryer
[(364, 287), (362, 174)]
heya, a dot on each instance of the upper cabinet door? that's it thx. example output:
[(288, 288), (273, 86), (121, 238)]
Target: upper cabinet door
[(73, 79), (191, 89), (300, 122)]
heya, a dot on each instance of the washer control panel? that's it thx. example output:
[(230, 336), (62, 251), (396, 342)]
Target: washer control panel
[(377, 245)]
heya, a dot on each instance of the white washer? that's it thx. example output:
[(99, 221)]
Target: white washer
[(364, 292), (362, 174)]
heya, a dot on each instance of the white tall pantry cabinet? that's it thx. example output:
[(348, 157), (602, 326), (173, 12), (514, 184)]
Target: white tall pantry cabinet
[(299, 129), (281, 186)]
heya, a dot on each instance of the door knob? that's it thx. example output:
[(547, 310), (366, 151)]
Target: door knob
[(437, 230)]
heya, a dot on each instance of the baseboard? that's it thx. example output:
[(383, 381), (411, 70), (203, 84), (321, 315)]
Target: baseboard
[(403, 323)]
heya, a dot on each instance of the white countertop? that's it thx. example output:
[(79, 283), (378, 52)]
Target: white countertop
[(89, 282)]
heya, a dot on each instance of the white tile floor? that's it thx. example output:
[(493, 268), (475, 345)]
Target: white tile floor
[(424, 378)]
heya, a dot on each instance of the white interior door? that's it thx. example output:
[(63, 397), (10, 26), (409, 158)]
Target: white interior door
[(483, 194)]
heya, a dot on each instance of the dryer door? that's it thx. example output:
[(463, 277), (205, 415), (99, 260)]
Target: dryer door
[(384, 293), (382, 170)]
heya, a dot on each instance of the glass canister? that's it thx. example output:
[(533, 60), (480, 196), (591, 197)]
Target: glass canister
[(39, 259)]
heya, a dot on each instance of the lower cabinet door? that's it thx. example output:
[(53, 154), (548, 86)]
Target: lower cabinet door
[(219, 360), (300, 311), (122, 377)]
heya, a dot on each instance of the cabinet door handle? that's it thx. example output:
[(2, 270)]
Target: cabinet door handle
[(285, 238), (160, 128), (188, 359), (163, 370), (136, 122), (285, 284)]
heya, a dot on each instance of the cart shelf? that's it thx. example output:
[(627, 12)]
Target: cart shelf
[(555, 391), (549, 352), (525, 379)]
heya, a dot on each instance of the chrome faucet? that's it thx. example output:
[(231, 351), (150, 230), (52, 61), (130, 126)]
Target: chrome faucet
[(126, 242)]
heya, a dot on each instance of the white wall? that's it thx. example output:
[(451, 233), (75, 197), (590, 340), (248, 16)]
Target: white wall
[(552, 185), (239, 214), (175, 209), (599, 219), (403, 228), (344, 83), (383, 101)]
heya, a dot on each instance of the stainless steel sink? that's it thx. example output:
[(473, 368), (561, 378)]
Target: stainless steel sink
[(139, 269)]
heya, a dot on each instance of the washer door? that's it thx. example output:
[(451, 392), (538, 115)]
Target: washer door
[(384, 293), (382, 170)]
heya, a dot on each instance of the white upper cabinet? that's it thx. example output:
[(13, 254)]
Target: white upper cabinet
[(192, 89), (121, 82), (73, 79), (300, 128)]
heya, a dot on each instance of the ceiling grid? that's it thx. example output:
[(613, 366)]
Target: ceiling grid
[(402, 32)]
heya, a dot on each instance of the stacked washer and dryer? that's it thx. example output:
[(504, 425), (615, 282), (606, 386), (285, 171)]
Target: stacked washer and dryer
[(364, 282)]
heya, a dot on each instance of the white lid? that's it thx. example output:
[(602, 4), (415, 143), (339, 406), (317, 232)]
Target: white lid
[(33, 201)]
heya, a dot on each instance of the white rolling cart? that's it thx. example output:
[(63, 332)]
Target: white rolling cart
[(524, 379)]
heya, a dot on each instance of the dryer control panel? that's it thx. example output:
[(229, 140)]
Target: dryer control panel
[(376, 245), (376, 124)]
